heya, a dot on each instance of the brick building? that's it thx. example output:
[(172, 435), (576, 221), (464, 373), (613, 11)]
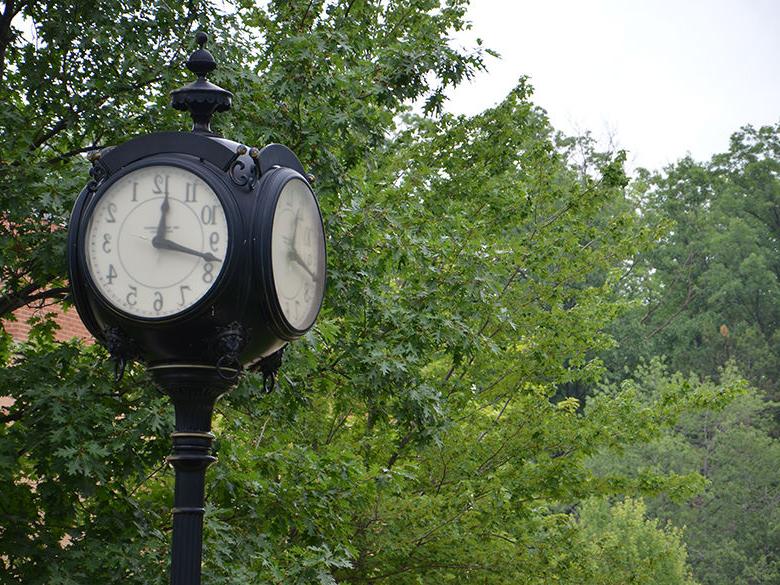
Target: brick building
[(69, 322)]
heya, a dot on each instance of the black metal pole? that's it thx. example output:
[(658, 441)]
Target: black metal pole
[(190, 458), (194, 390)]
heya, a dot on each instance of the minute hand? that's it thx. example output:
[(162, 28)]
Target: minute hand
[(299, 260), (164, 244)]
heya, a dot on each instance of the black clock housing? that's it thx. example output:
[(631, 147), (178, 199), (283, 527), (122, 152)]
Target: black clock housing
[(238, 321)]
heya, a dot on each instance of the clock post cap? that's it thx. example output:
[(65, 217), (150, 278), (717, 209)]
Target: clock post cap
[(201, 62), (201, 97)]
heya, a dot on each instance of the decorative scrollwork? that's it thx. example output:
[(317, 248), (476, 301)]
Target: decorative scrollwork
[(231, 341), (237, 174), (121, 350), (238, 171), (254, 153), (98, 172), (269, 367)]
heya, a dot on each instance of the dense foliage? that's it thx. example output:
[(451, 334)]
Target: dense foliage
[(710, 291), (421, 433), (706, 299), (623, 546)]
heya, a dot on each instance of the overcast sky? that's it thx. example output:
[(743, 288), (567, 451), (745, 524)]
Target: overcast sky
[(664, 77)]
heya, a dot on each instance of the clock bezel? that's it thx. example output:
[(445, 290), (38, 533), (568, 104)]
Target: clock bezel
[(271, 188), (222, 191)]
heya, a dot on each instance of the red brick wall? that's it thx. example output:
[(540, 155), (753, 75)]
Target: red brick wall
[(70, 326), (69, 322)]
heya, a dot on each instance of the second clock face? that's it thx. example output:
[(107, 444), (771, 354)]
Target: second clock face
[(156, 241), (298, 254)]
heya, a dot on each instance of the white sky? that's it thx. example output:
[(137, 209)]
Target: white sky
[(663, 77)]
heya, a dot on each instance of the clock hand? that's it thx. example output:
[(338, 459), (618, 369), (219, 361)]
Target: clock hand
[(297, 257), (294, 251), (162, 243), (295, 228), (162, 227)]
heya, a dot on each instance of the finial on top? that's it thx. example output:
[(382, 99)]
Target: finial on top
[(201, 97), (201, 61)]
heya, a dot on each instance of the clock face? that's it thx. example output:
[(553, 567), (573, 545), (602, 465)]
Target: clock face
[(298, 254), (156, 241)]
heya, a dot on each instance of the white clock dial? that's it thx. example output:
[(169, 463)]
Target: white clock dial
[(156, 241), (298, 254)]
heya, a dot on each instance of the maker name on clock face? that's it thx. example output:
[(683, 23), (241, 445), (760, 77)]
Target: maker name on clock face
[(156, 241)]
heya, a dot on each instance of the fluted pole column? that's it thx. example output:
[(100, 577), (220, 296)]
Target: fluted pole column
[(194, 389)]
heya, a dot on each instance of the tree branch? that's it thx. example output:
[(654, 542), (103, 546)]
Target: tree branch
[(11, 302), (420, 541), (495, 421), (689, 297), (305, 16), (51, 133), (12, 8), (403, 443), (76, 151), (335, 426), (347, 10)]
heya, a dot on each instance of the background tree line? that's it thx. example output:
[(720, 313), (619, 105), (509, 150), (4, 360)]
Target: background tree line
[(483, 399)]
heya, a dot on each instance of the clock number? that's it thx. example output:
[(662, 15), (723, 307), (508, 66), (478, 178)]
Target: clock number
[(111, 274), (307, 293), (158, 301), (208, 272), (214, 241), (292, 311), (159, 184), (135, 191), (106, 243), (182, 288), (132, 296), (208, 215), (110, 211), (307, 237), (190, 196)]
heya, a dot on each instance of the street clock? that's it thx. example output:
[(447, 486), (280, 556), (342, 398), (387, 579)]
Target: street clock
[(187, 248), (197, 256)]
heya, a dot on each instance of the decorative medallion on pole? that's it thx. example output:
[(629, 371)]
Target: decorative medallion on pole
[(198, 257)]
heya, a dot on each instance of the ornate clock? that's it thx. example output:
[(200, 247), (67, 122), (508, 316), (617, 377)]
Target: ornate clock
[(190, 249), (197, 256), (156, 241), (291, 254)]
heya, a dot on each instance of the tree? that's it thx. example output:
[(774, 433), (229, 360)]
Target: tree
[(622, 546), (709, 292), (731, 527), (707, 297), (414, 435)]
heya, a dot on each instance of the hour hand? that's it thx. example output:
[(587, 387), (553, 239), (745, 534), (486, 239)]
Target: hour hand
[(162, 227), (162, 243), (295, 228), (290, 240)]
